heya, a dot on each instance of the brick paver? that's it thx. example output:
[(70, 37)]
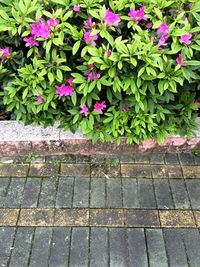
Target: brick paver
[(141, 210)]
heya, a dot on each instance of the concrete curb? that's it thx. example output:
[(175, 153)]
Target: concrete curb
[(19, 140)]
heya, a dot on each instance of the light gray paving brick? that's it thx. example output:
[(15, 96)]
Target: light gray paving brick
[(47, 196), (171, 158), (4, 184), (31, 193), (98, 191), (98, 247), (79, 247), (6, 241), (157, 158), (186, 159), (15, 193), (146, 193), (179, 193), (118, 247), (193, 187), (65, 193), (41, 247), (137, 248), (59, 253), (81, 192), (142, 157), (22, 247), (156, 248), (130, 193), (163, 194), (113, 193)]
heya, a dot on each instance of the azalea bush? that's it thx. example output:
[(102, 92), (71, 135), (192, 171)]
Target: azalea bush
[(110, 68)]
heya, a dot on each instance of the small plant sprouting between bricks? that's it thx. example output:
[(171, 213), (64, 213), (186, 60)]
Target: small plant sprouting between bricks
[(196, 152), (109, 68), (30, 157)]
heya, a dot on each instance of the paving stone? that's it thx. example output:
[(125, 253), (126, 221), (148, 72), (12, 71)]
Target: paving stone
[(156, 248), (31, 193), (7, 160), (11, 170), (79, 247), (176, 218), (193, 187), (59, 252), (98, 159), (15, 193), (98, 193), (106, 217), (197, 159), (41, 247), (191, 171), (65, 193), (36, 217), (61, 158), (38, 160), (141, 218), (105, 170), (127, 158), (79, 169), (118, 248), (4, 184), (7, 235), (81, 192), (157, 158), (136, 171), (113, 193), (47, 196), (146, 194), (44, 170), (21, 247), (171, 158), (130, 193), (142, 158), (83, 159), (179, 193), (8, 217), (72, 217), (186, 159), (137, 248), (166, 171), (175, 248), (197, 218), (191, 239), (163, 194), (98, 247)]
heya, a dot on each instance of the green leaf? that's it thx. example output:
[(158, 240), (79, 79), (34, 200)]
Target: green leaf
[(76, 47), (158, 13), (193, 63), (74, 98), (59, 74)]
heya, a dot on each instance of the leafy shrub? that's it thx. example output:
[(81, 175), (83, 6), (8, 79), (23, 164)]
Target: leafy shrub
[(111, 68)]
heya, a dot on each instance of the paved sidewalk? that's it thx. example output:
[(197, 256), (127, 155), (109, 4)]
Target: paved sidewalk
[(133, 211)]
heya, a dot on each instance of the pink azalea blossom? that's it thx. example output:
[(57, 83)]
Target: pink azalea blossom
[(163, 39), (126, 107), (190, 5), (163, 29), (100, 107), (149, 25), (93, 76), (30, 42), (180, 60), (39, 99), (108, 53), (5, 52), (70, 81), (137, 15), (185, 38), (53, 22), (41, 30), (77, 8), (90, 38), (111, 18), (64, 90), (89, 24), (84, 110)]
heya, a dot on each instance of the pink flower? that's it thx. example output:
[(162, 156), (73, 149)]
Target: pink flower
[(163, 29), (64, 90), (89, 24), (137, 15), (111, 18), (190, 5), (84, 110), (89, 38), (70, 81), (77, 8), (126, 107), (42, 30), (5, 52), (149, 25), (163, 39), (30, 42), (93, 76), (53, 22), (108, 53), (39, 99), (185, 38), (180, 60), (100, 106)]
